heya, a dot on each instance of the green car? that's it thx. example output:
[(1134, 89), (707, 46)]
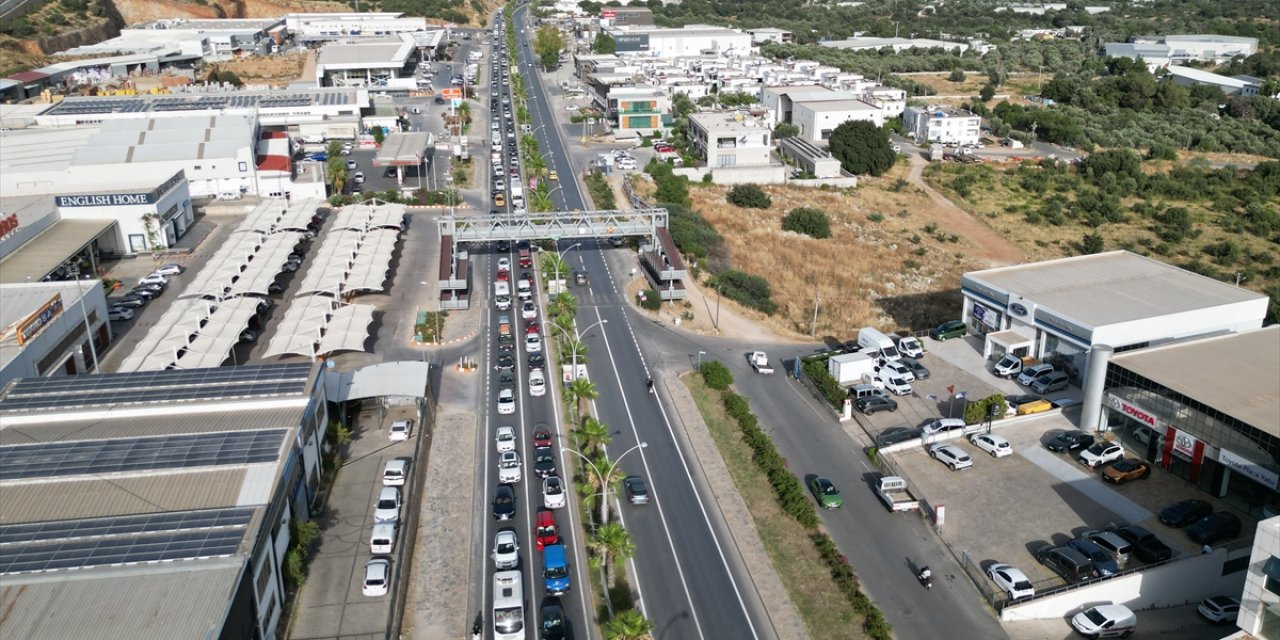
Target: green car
[(826, 493), (949, 329)]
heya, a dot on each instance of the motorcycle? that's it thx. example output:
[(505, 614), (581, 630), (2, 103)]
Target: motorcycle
[(926, 578)]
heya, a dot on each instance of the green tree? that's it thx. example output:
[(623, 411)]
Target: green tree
[(573, 351), (379, 135), (957, 75), (785, 130), (592, 435), (1092, 243), (604, 44), (612, 541), (810, 221), (547, 45), (862, 148), (628, 625), (579, 391), (987, 93), (749, 196), (563, 304)]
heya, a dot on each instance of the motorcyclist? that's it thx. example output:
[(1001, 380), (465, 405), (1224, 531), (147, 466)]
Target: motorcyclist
[(649, 383), (925, 574)]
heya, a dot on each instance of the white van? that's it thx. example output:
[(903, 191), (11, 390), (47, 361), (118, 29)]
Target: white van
[(872, 341), (508, 605), (501, 288)]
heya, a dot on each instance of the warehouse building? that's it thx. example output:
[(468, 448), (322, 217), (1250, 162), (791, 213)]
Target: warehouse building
[(690, 40), (47, 328)]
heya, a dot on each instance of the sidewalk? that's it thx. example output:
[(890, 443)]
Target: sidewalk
[(1183, 623), (437, 607), (737, 518)]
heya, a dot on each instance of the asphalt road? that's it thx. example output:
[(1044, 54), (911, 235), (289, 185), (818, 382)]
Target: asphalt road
[(689, 578), (529, 412)]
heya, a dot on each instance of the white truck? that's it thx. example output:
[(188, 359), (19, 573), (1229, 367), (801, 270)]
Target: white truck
[(876, 343), (760, 362), (517, 196), (894, 494), (1013, 144), (850, 368)]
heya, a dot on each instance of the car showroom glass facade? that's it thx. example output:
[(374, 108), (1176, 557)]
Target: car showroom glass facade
[(1221, 455)]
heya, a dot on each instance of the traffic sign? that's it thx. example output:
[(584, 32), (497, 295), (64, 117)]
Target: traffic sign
[(451, 92), (455, 102)]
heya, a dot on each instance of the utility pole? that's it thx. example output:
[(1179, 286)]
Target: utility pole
[(813, 328)]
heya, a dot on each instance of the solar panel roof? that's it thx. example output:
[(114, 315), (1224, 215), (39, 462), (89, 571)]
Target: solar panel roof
[(148, 387), (125, 525), (60, 459), (162, 547)]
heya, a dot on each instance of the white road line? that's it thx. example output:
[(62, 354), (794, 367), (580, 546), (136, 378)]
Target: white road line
[(688, 475)]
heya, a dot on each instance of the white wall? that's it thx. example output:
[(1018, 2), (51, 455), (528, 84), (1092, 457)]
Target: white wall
[(1177, 583), (1240, 316), (813, 123), (1256, 598)]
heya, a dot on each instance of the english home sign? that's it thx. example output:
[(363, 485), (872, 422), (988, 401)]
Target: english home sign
[(121, 199)]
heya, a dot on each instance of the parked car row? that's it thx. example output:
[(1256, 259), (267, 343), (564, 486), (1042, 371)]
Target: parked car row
[(386, 518)]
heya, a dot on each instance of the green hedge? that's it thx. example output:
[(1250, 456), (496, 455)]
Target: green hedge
[(793, 499), (816, 370), (716, 374), (977, 411)]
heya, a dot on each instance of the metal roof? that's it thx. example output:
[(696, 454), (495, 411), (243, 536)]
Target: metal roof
[(1237, 374), (214, 417), (89, 497), (1109, 288), (187, 601), (403, 149), (42, 254)]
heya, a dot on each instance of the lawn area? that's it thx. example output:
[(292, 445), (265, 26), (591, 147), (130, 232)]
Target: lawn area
[(824, 609)]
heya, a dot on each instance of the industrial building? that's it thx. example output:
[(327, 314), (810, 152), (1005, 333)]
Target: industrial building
[(687, 41), (381, 62), (45, 328)]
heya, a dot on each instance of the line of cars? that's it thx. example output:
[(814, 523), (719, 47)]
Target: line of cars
[(386, 516), (149, 288)]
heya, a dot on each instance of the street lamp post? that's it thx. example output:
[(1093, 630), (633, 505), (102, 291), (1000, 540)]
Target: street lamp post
[(560, 254), (573, 354), (610, 466)]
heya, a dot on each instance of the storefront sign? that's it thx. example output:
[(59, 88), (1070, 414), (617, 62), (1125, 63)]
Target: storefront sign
[(121, 199), (986, 316), (1184, 443), (632, 42), (8, 225), (1257, 473), (31, 326), (1133, 411), (1018, 310), (608, 13)]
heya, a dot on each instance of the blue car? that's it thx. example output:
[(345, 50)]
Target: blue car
[(555, 570)]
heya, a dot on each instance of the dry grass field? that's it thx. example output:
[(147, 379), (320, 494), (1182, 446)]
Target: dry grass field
[(882, 266)]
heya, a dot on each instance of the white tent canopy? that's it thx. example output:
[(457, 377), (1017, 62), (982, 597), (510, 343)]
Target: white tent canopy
[(369, 270), (277, 215), (332, 262), (215, 341), (192, 334), (347, 330), (226, 264), (267, 264), (368, 216), (171, 333), (316, 325)]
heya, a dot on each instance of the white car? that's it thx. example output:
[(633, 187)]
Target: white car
[(116, 312), (382, 539), (506, 439), (1100, 454), (377, 577), (504, 264), (170, 270), (155, 278), (357, 177), (532, 343), (400, 430), (506, 549), (896, 385), (993, 444), (553, 496), (537, 383), (503, 303), (506, 402), (387, 509), (509, 467), (528, 310), (951, 455), (1011, 581), (1105, 620), (499, 185), (895, 369), (351, 165)]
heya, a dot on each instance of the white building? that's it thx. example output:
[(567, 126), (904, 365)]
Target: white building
[(688, 41), (818, 118), (1260, 602), (1209, 47), (318, 27), (897, 44), (892, 101), (945, 125), (382, 62), (729, 139), (45, 328), (1059, 310), (209, 39), (770, 34), (1231, 86)]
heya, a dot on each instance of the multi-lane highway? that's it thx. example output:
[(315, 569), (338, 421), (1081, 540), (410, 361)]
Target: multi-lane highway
[(689, 577)]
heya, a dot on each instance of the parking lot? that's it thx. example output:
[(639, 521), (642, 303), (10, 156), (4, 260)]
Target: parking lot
[(1005, 509)]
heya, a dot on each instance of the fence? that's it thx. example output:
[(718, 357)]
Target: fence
[(636, 201)]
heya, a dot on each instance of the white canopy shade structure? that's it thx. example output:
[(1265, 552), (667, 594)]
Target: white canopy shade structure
[(369, 269), (172, 332), (213, 343), (277, 214), (370, 215), (317, 325), (224, 267), (332, 263), (267, 264)]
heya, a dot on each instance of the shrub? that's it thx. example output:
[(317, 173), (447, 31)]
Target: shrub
[(978, 411), (749, 196), (1092, 243), (809, 221), (956, 75), (691, 232), (600, 191), (816, 370), (652, 300), (746, 289), (715, 374)]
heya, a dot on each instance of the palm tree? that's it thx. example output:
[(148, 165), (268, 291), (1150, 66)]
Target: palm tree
[(612, 541), (592, 435), (573, 352), (540, 200), (564, 303), (579, 390), (628, 625)]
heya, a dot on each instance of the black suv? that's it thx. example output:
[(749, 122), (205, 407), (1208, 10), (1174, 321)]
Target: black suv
[(875, 404)]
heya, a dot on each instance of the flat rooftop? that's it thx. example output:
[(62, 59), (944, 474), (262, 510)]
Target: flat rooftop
[(212, 102), (1114, 287), (1237, 374), (721, 122), (849, 104), (375, 54)]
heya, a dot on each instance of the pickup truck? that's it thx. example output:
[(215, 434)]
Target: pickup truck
[(1146, 545), (760, 362), (894, 494)]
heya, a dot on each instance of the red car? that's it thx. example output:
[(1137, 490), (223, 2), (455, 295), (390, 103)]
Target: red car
[(526, 260), (531, 326), (545, 529), (541, 435), (504, 276)]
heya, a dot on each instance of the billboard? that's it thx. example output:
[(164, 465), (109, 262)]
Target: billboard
[(632, 42)]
